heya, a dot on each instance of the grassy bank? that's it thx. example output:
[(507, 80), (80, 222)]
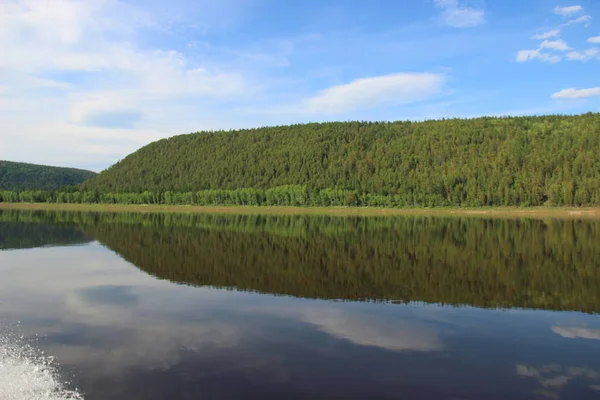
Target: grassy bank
[(532, 212)]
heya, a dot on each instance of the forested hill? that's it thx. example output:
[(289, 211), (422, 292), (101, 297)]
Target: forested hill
[(469, 162), (22, 176)]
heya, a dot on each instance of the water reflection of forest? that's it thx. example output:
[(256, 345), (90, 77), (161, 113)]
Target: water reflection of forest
[(19, 235), (549, 264)]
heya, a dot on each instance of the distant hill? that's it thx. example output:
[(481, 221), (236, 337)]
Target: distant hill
[(488, 161), (23, 176)]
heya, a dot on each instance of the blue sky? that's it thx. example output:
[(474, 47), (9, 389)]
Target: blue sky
[(84, 83)]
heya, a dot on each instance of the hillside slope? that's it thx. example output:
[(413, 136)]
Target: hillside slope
[(23, 176), (483, 161)]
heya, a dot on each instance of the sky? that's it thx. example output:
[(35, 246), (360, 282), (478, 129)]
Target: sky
[(84, 83)]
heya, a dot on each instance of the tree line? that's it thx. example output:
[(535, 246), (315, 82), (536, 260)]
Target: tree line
[(291, 196)]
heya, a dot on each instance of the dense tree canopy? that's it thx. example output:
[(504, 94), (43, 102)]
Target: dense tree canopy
[(22, 176), (524, 161)]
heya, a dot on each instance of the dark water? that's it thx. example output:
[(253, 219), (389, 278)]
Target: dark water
[(229, 307)]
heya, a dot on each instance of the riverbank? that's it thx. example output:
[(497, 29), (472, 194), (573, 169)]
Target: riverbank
[(506, 212)]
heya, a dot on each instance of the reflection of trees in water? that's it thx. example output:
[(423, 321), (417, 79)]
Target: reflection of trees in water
[(551, 264), (491, 263), (19, 235)]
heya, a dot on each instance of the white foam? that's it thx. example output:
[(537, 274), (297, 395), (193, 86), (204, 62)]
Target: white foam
[(27, 375)]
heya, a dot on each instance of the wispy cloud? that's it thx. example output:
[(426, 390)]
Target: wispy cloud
[(547, 34), (368, 92), (530, 55), (568, 10), (544, 51), (361, 95), (573, 93), (594, 40), (584, 19), (458, 15), (584, 55), (559, 45)]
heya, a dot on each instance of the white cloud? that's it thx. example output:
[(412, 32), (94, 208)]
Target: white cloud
[(460, 16), (367, 92), (583, 56), (595, 39), (584, 19), (576, 332), (547, 34), (80, 60), (573, 93), (530, 55), (559, 45), (85, 45), (568, 10), (57, 22)]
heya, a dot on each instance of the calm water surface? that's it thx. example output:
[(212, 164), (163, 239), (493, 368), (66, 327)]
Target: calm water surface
[(133, 306)]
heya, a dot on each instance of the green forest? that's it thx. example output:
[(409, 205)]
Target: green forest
[(24, 177), (489, 161), (480, 262)]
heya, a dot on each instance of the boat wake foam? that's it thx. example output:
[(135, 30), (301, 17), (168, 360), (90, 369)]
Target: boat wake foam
[(25, 374)]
